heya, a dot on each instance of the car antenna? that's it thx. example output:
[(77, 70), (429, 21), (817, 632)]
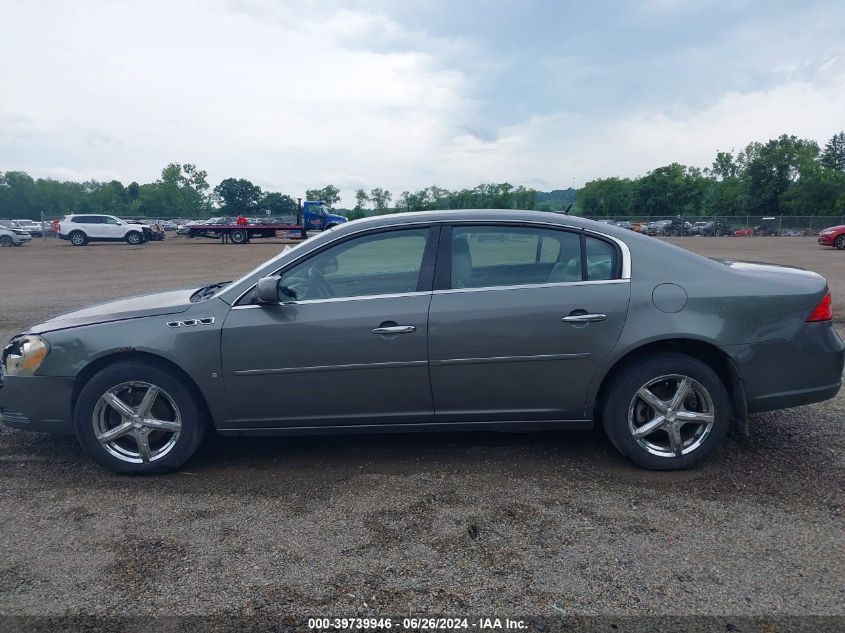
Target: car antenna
[(566, 210)]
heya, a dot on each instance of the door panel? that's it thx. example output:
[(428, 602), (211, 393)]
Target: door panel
[(93, 227), (506, 354), (319, 363)]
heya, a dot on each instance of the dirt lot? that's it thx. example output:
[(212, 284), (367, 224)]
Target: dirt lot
[(491, 524)]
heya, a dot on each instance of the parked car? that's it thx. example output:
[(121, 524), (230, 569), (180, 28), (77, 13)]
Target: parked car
[(30, 226), (717, 228), (184, 229), (675, 227), (624, 224), (656, 227), (156, 232), (697, 228), (10, 236), (833, 236), (746, 232), (79, 229), (549, 321)]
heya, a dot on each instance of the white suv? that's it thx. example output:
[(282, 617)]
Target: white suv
[(83, 228)]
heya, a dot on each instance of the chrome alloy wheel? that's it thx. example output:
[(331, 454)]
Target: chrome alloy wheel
[(671, 416), (137, 422)]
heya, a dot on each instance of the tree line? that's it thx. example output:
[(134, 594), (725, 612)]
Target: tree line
[(183, 191), (784, 176)]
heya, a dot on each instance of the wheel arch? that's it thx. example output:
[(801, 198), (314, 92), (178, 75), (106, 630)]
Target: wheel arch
[(91, 369), (706, 352)]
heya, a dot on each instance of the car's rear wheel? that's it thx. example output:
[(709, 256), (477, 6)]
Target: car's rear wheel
[(136, 418), (239, 236), (667, 412), (840, 242), (134, 238), (78, 238), (6, 240)]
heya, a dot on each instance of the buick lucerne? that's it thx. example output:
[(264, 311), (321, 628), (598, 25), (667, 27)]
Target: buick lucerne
[(437, 321)]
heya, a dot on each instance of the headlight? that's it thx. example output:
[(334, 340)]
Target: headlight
[(24, 356)]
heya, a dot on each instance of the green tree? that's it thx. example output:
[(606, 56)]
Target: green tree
[(403, 203), (833, 156), (381, 199), (725, 166), (328, 194), (277, 204), (776, 167), (671, 190), (238, 196), (607, 196), (361, 199)]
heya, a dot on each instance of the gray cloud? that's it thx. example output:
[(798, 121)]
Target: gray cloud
[(296, 94)]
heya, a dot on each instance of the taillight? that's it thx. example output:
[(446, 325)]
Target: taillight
[(823, 311)]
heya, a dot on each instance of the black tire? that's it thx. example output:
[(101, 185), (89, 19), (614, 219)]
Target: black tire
[(188, 404), (330, 226), (134, 238), (6, 240), (840, 242), (77, 238), (239, 236), (621, 404)]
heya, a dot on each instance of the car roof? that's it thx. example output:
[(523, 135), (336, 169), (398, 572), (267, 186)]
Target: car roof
[(474, 215)]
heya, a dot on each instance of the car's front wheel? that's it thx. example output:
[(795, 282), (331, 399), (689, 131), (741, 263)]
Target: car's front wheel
[(136, 418), (134, 238), (840, 242), (667, 412)]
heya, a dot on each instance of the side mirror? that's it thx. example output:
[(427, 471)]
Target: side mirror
[(267, 290)]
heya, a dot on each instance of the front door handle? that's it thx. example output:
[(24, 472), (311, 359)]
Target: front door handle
[(584, 318), (395, 329)]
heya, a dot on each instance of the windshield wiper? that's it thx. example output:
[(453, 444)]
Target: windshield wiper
[(206, 292)]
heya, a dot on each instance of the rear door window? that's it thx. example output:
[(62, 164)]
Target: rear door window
[(485, 256)]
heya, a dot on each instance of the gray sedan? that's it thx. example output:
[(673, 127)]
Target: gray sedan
[(440, 321)]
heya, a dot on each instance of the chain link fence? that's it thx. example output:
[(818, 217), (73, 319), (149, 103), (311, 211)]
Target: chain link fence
[(781, 225)]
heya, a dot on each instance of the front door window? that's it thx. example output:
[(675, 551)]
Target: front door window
[(377, 264)]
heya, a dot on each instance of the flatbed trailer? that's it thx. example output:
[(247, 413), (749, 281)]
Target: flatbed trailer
[(243, 233)]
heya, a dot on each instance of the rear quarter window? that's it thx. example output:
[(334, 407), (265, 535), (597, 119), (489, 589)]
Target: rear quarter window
[(601, 260)]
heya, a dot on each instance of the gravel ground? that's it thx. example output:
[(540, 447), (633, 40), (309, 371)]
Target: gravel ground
[(491, 524)]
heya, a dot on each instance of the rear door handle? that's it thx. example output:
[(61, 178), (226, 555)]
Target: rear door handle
[(584, 318), (395, 329)]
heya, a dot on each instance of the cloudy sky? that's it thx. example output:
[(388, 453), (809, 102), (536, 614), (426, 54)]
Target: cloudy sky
[(294, 94)]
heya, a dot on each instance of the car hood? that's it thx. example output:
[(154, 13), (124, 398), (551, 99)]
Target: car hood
[(841, 227), (170, 302)]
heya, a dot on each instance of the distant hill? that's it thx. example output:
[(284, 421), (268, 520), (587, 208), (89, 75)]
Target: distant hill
[(555, 200)]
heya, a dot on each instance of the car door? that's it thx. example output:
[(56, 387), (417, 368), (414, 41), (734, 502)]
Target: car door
[(112, 228), (521, 319), (92, 225), (349, 346)]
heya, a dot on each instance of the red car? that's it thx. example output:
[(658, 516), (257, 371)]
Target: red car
[(744, 232), (834, 236)]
